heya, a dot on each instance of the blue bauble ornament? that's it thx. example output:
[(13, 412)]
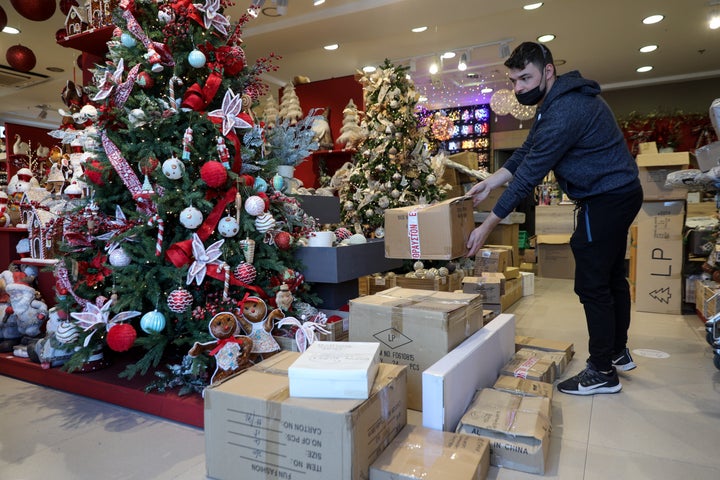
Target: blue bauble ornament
[(152, 322), (278, 182), (196, 59), (128, 40), (260, 185)]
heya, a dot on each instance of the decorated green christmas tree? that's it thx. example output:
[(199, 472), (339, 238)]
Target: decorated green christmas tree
[(186, 216), (393, 167)]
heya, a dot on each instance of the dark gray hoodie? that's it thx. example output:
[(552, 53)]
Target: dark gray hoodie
[(575, 134)]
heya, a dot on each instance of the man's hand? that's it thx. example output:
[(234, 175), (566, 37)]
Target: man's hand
[(479, 235), (479, 192)]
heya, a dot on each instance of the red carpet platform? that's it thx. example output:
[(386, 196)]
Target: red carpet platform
[(105, 385)]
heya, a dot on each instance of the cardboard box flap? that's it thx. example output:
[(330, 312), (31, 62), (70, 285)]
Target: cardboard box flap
[(553, 239), (526, 419), (674, 159)]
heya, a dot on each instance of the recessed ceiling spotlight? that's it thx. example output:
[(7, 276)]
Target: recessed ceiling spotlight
[(532, 6), (648, 48), (448, 55), (55, 69), (487, 90), (546, 38), (653, 19), (318, 2), (334, 46), (10, 30), (419, 29), (368, 69), (644, 69)]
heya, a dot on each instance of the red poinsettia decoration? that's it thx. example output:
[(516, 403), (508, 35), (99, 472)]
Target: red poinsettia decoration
[(94, 271)]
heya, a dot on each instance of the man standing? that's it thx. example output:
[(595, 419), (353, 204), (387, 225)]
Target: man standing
[(576, 135)]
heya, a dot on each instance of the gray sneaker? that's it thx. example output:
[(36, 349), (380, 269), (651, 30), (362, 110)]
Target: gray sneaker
[(623, 361)]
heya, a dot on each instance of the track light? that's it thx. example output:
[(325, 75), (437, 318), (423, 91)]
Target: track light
[(714, 17), (281, 6), (462, 64), (254, 8)]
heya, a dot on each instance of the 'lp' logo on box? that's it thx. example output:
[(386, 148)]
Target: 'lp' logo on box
[(659, 254)]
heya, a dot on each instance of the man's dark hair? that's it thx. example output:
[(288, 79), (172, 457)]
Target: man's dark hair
[(529, 52)]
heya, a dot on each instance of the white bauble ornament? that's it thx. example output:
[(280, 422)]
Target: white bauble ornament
[(379, 232), (173, 168), (395, 194), (191, 218), (196, 59), (357, 239), (431, 179), (152, 322), (228, 226), (67, 332), (264, 222), (119, 258), (443, 272), (418, 265), (254, 205)]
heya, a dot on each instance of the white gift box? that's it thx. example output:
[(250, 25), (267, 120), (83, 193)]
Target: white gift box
[(335, 370)]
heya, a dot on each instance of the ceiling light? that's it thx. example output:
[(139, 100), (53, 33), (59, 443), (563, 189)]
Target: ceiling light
[(644, 69), (546, 38), (10, 30), (419, 29), (648, 48), (448, 55), (318, 2), (334, 46), (653, 19), (714, 22), (368, 69), (435, 65), (532, 6), (254, 8), (462, 64), (422, 98), (281, 6), (487, 90)]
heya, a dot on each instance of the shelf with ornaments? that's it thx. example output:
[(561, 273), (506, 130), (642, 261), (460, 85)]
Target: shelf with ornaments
[(92, 41)]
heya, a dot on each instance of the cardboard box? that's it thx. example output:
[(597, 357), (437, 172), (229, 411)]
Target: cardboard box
[(527, 280), (532, 367), (518, 428), (513, 293), (506, 235), (558, 358), (453, 176), (448, 283), (554, 219), (340, 264), (513, 253), (491, 260), (489, 203), (528, 255), (449, 385), (372, 284), (512, 272), (247, 415), (489, 285), (555, 258), (647, 147), (658, 286), (547, 345), (415, 328), (419, 453), (653, 171), (335, 370), (523, 386), (434, 232)]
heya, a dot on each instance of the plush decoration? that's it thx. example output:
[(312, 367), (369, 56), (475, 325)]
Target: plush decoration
[(231, 351), (21, 58), (21, 313), (214, 174), (258, 323), (121, 337)]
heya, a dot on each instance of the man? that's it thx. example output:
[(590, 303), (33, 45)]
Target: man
[(575, 135)]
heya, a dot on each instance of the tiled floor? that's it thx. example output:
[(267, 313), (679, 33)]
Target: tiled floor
[(664, 425)]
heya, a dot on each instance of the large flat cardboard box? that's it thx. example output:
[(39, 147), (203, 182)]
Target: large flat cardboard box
[(658, 287), (555, 258), (554, 219), (518, 428), (449, 385), (335, 370), (415, 328), (255, 430), (512, 293), (434, 232), (419, 453), (489, 285), (523, 386), (533, 367), (653, 171)]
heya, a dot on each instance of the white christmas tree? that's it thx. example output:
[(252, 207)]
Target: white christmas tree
[(290, 105), (351, 134), (270, 112)]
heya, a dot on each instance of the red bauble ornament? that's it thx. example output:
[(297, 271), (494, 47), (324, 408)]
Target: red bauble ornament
[(93, 172), (265, 198), (148, 165), (3, 18), (283, 240), (65, 5), (213, 173), (20, 58), (145, 81), (35, 10), (249, 180), (179, 300), (245, 272), (121, 337), (60, 35)]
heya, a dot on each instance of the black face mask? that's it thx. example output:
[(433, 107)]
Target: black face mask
[(531, 97)]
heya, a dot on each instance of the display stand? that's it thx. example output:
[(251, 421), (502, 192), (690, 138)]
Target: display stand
[(9, 238)]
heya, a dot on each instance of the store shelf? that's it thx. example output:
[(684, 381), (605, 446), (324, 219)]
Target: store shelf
[(91, 41)]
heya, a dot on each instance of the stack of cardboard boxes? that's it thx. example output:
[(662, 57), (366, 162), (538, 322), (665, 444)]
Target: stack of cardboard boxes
[(657, 236)]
